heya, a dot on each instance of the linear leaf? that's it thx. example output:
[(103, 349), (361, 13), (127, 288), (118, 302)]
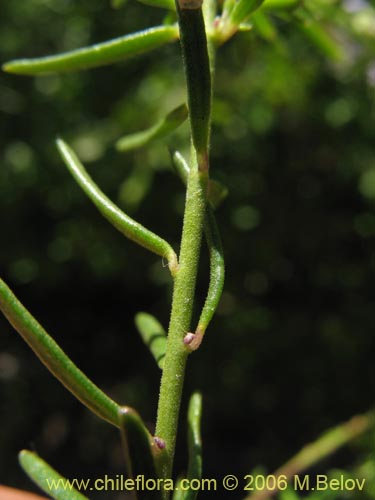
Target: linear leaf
[(228, 6), (194, 442), (99, 54), (122, 222), (54, 358), (217, 275), (264, 26), (138, 446), (164, 4), (117, 4), (324, 446), (48, 480), (322, 39), (161, 129), (235, 12), (178, 493), (280, 4), (153, 335), (180, 165), (242, 9)]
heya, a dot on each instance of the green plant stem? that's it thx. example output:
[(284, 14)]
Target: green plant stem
[(182, 305), (198, 77)]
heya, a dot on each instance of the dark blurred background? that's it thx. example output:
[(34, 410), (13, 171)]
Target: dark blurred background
[(291, 350)]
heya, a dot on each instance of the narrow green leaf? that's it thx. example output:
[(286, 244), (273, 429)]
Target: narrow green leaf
[(54, 358), (161, 129), (242, 10), (288, 494), (100, 54), (323, 447), (263, 25), (228, 6), (138, 446), (280, 4), (198, 75), (194, 442), (209, 9), (322, 39), (164, 4), (179, 493), (117, 4), (235, 12), (217, 274), (180, 165), (216, 193), (48, 480), (153, 335), (122, 222)]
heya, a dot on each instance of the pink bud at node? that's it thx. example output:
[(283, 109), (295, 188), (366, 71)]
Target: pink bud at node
[(160, 443)]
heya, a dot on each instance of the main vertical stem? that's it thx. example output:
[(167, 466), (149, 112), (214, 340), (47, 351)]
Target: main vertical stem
[(182, 306), (198, 81)]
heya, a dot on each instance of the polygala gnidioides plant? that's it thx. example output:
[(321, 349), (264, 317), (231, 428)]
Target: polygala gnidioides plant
[(202, 28)]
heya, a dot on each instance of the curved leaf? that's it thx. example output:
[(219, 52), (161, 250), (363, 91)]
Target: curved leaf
[(48, 480), (194, 443), (180, 165), (263, 25), (322, 39), (242, 9), (117, 4), (325, 445), (153, 335), (161, 129), (281, 4), (217, 275), (164, 4), (178, 493), (235, 12), (55, 359), (122, 222), (100, 54)]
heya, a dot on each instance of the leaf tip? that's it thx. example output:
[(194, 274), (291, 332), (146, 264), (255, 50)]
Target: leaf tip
[(60, 144), (64, 149), (7, 67), (23, 456)]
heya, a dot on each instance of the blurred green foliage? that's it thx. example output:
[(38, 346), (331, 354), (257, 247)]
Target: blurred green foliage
[(291, 350)]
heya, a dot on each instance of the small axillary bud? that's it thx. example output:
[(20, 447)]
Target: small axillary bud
[(190, 4), (193, 340), (189, 337), (160, 443)]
